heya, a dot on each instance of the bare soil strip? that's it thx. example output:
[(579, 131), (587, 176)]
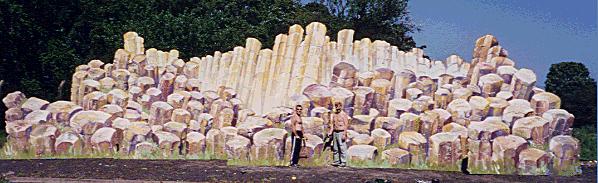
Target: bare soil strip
[(101, 170)]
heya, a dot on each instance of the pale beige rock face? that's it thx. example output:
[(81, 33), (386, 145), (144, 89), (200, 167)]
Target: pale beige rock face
[(160, 113), (461, 111), (42, 139), (361, 139), (532, 128), (269, 143), (396, 156), (480, 107), (362, 123), (39, 117), (414, 143), (505, 152), (319, 94), (167, 142), (13, 114), (381, 89), (381, 137), (238, 147), (196, 143), (565, 150), (252, 125), (488, 129), (533, 161), (364, 98), (87, 122), (68, 143), (177, 128), (545, 101), (14, 99), (445, 148), (560, 121), (105, 140), (34, 103), (392, 125), (398, 106), (522, 84), (362, 152)]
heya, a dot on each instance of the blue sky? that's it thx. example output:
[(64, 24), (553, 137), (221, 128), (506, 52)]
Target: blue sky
[(536, 33)]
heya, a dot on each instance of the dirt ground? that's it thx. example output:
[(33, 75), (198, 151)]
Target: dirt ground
[(218, 171)]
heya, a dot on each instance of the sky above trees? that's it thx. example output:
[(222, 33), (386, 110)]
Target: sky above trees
[(536, 33)]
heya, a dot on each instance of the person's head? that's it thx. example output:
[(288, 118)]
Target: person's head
[(337, 107), (298, 109)]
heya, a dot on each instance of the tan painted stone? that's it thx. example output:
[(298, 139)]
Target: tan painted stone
[(566, 153), (34, 103), (43, 138), (238, 148), (479, 108), (160, 113), (14, 99), (560, 121), (177, 128), (279, 114), (381, 137), (364, 99), (196, 143), (445, 149), (39, 117), (13, 114), (319, 94), (252, 125), (269, 143), (167, 142), (496, 107), (362, 152), (461, 111), (545, 101), (361, 139), (396, 156), (104, 140), (415, 143), (523, 83), (505, 152), (532, 128), (412, 121), (533, 161), (69, 143)]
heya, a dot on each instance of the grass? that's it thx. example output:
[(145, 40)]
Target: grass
[(586, 135), (145, 155), (3, 138)]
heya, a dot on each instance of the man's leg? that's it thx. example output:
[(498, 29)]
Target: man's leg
[(293, 151), (336, 149), (296, 150), (343, 149)]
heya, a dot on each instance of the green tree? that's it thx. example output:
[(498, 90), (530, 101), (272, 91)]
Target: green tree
[(571, 81), (386, 20)]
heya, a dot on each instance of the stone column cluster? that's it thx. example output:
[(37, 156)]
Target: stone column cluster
[(404, 109)]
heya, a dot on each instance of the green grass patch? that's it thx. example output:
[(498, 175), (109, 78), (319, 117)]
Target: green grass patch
[(3, 138)]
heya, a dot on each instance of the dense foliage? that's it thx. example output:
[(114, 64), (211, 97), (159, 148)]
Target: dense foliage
[(43, 41), (572, 82)]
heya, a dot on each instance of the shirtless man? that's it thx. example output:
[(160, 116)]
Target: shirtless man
[(339, 123), (297, 135)]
